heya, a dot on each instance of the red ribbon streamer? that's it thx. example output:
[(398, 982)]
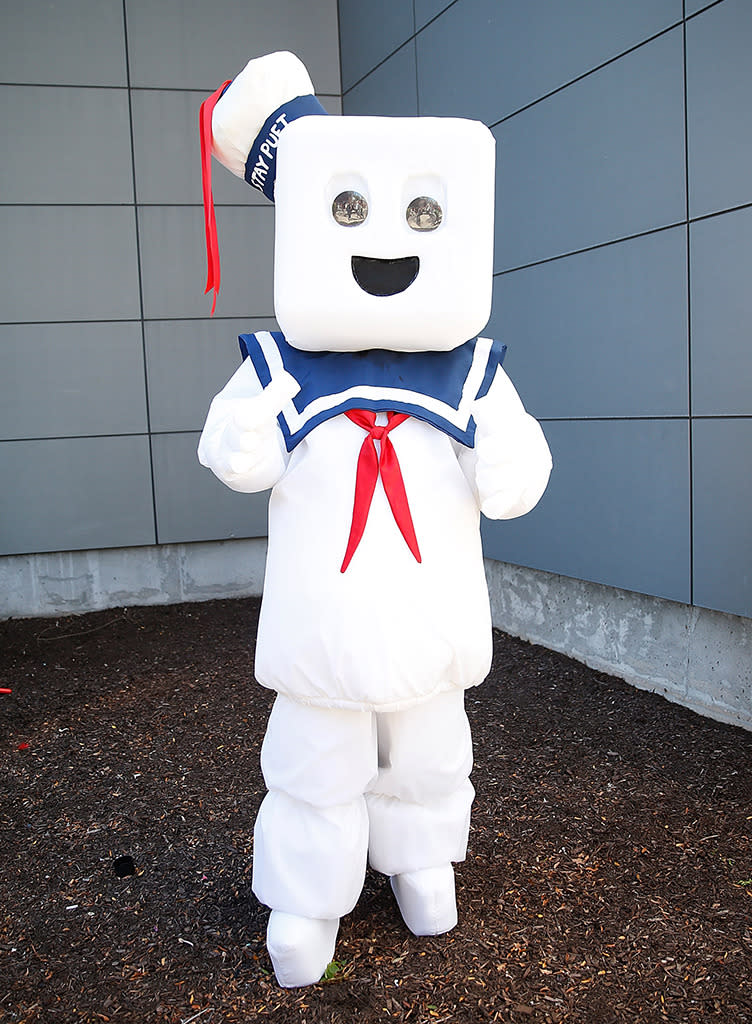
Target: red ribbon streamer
[(370, 464), (210, 221)]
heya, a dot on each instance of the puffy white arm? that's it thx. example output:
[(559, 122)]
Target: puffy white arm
[(511, 462), (241, 442)]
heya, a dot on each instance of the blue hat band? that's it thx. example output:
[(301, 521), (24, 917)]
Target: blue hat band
[(261, 165)]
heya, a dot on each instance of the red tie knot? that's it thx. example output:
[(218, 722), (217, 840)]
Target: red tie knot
[(366, 420)]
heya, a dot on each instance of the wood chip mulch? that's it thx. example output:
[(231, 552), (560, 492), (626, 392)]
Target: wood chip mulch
[(609, 877)]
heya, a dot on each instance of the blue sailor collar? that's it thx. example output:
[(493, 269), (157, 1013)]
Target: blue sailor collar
[(437, 387)]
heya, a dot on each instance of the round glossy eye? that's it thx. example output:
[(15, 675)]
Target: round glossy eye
[(350, 208), (423, 214)]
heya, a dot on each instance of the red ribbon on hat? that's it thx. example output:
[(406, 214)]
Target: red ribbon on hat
[(210, 221), (370, 464)]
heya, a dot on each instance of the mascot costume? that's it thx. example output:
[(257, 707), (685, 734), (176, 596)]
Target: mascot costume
[(383, 433)]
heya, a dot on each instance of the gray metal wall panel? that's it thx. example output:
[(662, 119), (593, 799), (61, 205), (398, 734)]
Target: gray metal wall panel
[(79, 42), (592, 264), (192, 504), (75, 493), (173, 261), (369, 33), (390, 90), (721, 257), (167, 154), (693, 6), (600, 160), (72, 351), (72, 145), (600, 333), (719, 51), (188, 362), (486, 59), (69, 263), (72, 379), (425, 10), (191, 44), (616, 510), (722, 486), (331, 104)]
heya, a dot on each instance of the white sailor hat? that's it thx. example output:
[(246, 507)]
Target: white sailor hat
[(240, 125)]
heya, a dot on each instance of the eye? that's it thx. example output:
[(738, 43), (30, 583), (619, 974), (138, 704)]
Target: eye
[(350, 208), (423, 214)]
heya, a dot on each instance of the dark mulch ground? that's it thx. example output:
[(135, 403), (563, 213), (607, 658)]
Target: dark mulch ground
[(609, 878)]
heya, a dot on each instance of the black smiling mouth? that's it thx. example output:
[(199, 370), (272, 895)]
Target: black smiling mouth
[(385, 277)]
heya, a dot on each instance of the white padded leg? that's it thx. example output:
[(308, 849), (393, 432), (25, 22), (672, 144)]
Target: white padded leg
[(311, 834), (427, 900), (419, 804), (300, 947), (308, 860)]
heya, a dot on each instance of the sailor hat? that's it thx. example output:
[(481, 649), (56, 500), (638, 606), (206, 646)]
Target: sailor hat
[(240, 124)]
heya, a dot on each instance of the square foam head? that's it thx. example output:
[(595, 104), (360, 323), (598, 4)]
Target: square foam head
[(379, 282)]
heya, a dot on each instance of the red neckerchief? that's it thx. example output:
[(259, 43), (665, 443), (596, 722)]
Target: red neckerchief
[(370, 464)]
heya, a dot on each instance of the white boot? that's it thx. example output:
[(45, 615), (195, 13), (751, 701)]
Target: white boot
[(427, 899), (300, 948)]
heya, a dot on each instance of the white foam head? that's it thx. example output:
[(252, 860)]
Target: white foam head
[(319, 302)]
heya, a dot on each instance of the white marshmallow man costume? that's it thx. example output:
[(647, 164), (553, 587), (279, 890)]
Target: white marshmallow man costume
[(382, 434)]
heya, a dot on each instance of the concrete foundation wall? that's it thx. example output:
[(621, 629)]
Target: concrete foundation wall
[(73, 582), (692, 656), (695, 657)]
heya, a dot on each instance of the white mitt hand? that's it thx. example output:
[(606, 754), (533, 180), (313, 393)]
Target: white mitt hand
[(245, 452), (512, 469), (513, 461)]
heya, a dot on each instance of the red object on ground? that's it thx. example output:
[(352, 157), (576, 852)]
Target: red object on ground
[(23, 746), (4, 689)]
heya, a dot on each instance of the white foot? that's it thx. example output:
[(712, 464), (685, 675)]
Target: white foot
[(427, 900), (300, 947)]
